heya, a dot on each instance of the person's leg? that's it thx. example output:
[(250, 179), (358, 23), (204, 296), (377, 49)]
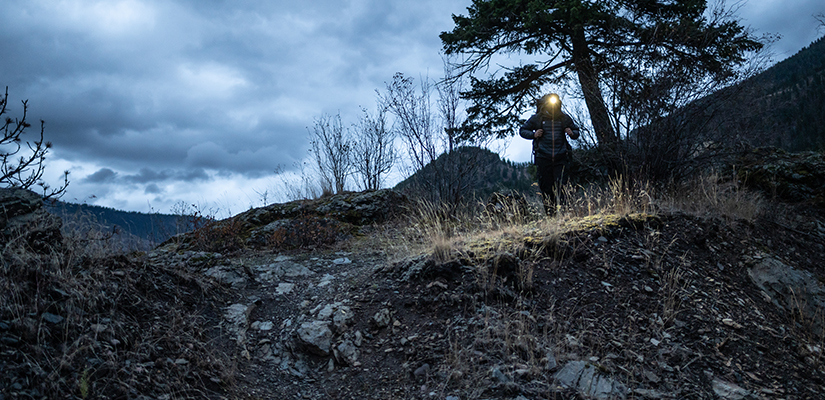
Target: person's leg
[(559, 179), (547, 182)]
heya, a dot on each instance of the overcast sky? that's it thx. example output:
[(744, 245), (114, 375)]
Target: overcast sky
[(152, 102)]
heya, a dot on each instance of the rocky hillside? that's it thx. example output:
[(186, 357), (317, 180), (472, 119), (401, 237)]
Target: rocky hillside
[(629, 294)]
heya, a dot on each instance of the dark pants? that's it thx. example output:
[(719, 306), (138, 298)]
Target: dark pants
[(551, 176)]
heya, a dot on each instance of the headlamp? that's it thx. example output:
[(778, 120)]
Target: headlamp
[(553, 99)]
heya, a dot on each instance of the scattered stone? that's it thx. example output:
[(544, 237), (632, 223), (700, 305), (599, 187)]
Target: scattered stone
[(226, 275), (341, 261), (238, 317), (359, 338), (265, 325), (326, 280), (500, 376), (382, 318), (98, 328), (584, 377), (552, 364), (651, 394), (181, 361), (326, 312), (727, 390), (341, 317), (284, 288), (422, 372), (52, 318), (316, 337), (346, 353)]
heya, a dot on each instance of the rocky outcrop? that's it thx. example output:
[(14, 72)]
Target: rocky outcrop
[(22, 217), (798, 177), (297, 224)]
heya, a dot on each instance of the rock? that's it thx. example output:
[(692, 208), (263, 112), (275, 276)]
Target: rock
[(326, 280), (280, 268), (23, 216), (551, 365), (382, 318), (584, 377), (651, 394), (238, 317), (346, 353), (341, 317), (500, 376), (316, 337), (791, 289), (359, 338), (727, 390), (421, 372), (326, 312), (15, 202), (284, 288), (52, 319), (796, 177), (226, 275), (341, 261)]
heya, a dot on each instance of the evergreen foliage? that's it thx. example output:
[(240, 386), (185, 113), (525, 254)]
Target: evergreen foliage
[(623, 54)]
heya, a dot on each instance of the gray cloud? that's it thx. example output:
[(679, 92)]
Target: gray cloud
[(154, 100), (102, 176)]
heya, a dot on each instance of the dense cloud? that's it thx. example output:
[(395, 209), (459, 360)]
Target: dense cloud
[(150, 102)]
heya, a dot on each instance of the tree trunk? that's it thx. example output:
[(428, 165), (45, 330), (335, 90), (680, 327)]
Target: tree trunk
[(588, 79)]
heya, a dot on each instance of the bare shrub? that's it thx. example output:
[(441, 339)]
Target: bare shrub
[(22, 162)]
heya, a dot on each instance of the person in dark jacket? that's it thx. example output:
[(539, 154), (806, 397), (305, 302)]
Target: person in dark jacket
[(549, 128)]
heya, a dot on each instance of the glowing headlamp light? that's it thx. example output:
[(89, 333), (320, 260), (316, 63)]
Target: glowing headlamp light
[(553, 99)]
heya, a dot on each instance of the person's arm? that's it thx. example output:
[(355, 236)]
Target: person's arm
[(572, 130), (531, 129)]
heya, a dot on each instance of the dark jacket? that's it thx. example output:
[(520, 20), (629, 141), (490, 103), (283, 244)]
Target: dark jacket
[(552, 144)]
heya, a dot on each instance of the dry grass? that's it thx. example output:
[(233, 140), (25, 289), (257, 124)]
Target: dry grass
[(712, 196), (81, 319)]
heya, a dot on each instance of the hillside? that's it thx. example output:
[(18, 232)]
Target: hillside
[(135, 230), (475, 172), (782, 106), (706, 291)]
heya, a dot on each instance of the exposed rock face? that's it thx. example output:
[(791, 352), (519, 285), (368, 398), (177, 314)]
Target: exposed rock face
[(22, 216), (301, 223), (793, 290), (791, 176)]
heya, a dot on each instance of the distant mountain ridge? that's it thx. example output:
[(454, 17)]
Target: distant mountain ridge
[(134, 229)]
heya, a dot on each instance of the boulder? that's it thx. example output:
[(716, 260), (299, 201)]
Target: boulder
[(316, 337), (794, 290)]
